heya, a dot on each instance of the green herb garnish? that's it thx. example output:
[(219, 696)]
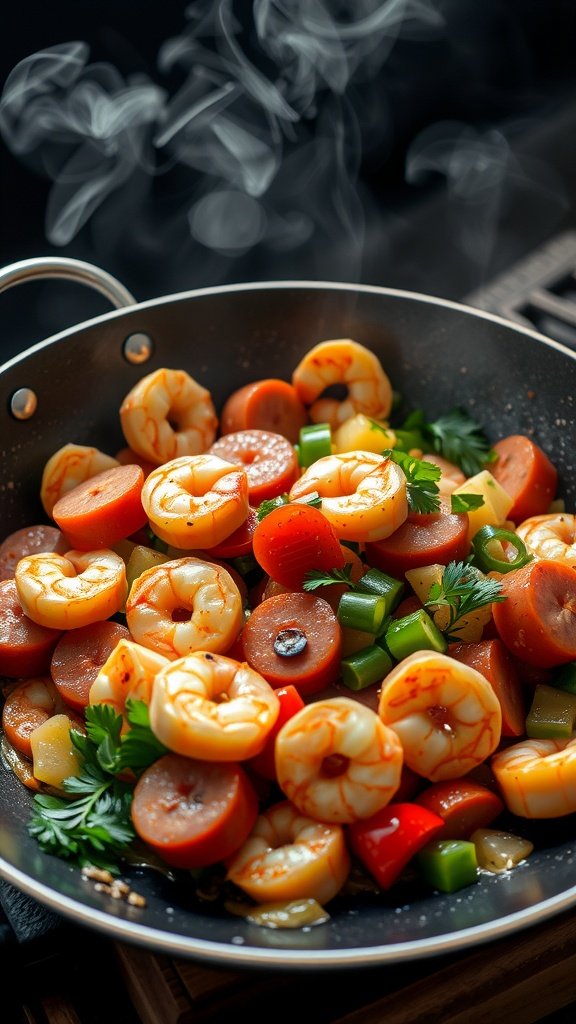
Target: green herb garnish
[(460, 439), (462, 589), (465, 502), (374, 425), (421, 477), (316, 578), (266, 507), (95, 827)]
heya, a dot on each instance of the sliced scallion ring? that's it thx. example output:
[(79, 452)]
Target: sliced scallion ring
[(484, 540)]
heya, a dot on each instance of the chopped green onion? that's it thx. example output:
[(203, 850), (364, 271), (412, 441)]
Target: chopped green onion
[(315, 442), (414, 632), (552, 715), (365, 612), (377, 582), (488, 562), (448, 864), (365, 667)]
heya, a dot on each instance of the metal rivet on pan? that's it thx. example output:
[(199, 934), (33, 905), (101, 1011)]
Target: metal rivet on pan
[(23, 404), (138, 348)]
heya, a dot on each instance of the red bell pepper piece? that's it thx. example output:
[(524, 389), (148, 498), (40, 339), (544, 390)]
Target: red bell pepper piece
[(389, 839), (290, 703)]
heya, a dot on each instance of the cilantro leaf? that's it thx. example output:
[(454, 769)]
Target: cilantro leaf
[(465, 502), (457, 437), (316, 578), (93, 829), (140, 747), (266, 507), (421, 477), (462, 589), (94, 826)]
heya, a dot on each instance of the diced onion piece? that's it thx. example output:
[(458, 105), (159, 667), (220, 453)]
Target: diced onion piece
[(499, 851), (292, 914)]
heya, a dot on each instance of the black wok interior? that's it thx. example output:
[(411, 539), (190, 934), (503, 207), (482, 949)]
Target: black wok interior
[(438, 355)]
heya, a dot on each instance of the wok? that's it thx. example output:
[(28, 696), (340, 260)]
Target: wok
[(438, 354)]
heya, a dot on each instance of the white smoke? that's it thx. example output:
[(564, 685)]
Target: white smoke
[(87, 126), (484, 177), (265, 121)]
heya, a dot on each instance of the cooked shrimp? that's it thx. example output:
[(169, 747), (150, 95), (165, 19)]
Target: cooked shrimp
[(168, 414), (337, 762), (128, 672), (446, 714), (550, 536), (289, 857), (212, 708), (363, 494), (195, 502), (69, 466), (71, 590), (184, 605), (537, 778), (347, 363), (27, 705)]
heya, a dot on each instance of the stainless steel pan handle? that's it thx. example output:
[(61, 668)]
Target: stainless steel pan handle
[(70, 270), (23, 402)]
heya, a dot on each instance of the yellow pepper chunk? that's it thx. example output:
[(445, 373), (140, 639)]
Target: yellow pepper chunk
[(360, 433), (54, 756), (497, 501)]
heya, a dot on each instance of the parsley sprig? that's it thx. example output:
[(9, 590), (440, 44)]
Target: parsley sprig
[(455, 435), (270, 505), (94, 827), (465, 502), (316, 578), (462, 590), (421, 480), (460, 439)]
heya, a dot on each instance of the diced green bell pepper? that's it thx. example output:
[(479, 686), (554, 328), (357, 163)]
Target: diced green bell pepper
[(552, 715), (448, 864)]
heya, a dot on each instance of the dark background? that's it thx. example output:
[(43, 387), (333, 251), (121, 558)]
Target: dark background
[(465, 161)]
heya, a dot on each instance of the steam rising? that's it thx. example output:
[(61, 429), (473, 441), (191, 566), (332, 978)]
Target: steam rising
[(87, 126), (484, 177), (266, 121)]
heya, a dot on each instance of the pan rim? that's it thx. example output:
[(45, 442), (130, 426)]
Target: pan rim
[(230, 955), (285, 285)]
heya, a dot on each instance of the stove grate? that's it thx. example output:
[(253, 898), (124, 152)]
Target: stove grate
[(538, 292)]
